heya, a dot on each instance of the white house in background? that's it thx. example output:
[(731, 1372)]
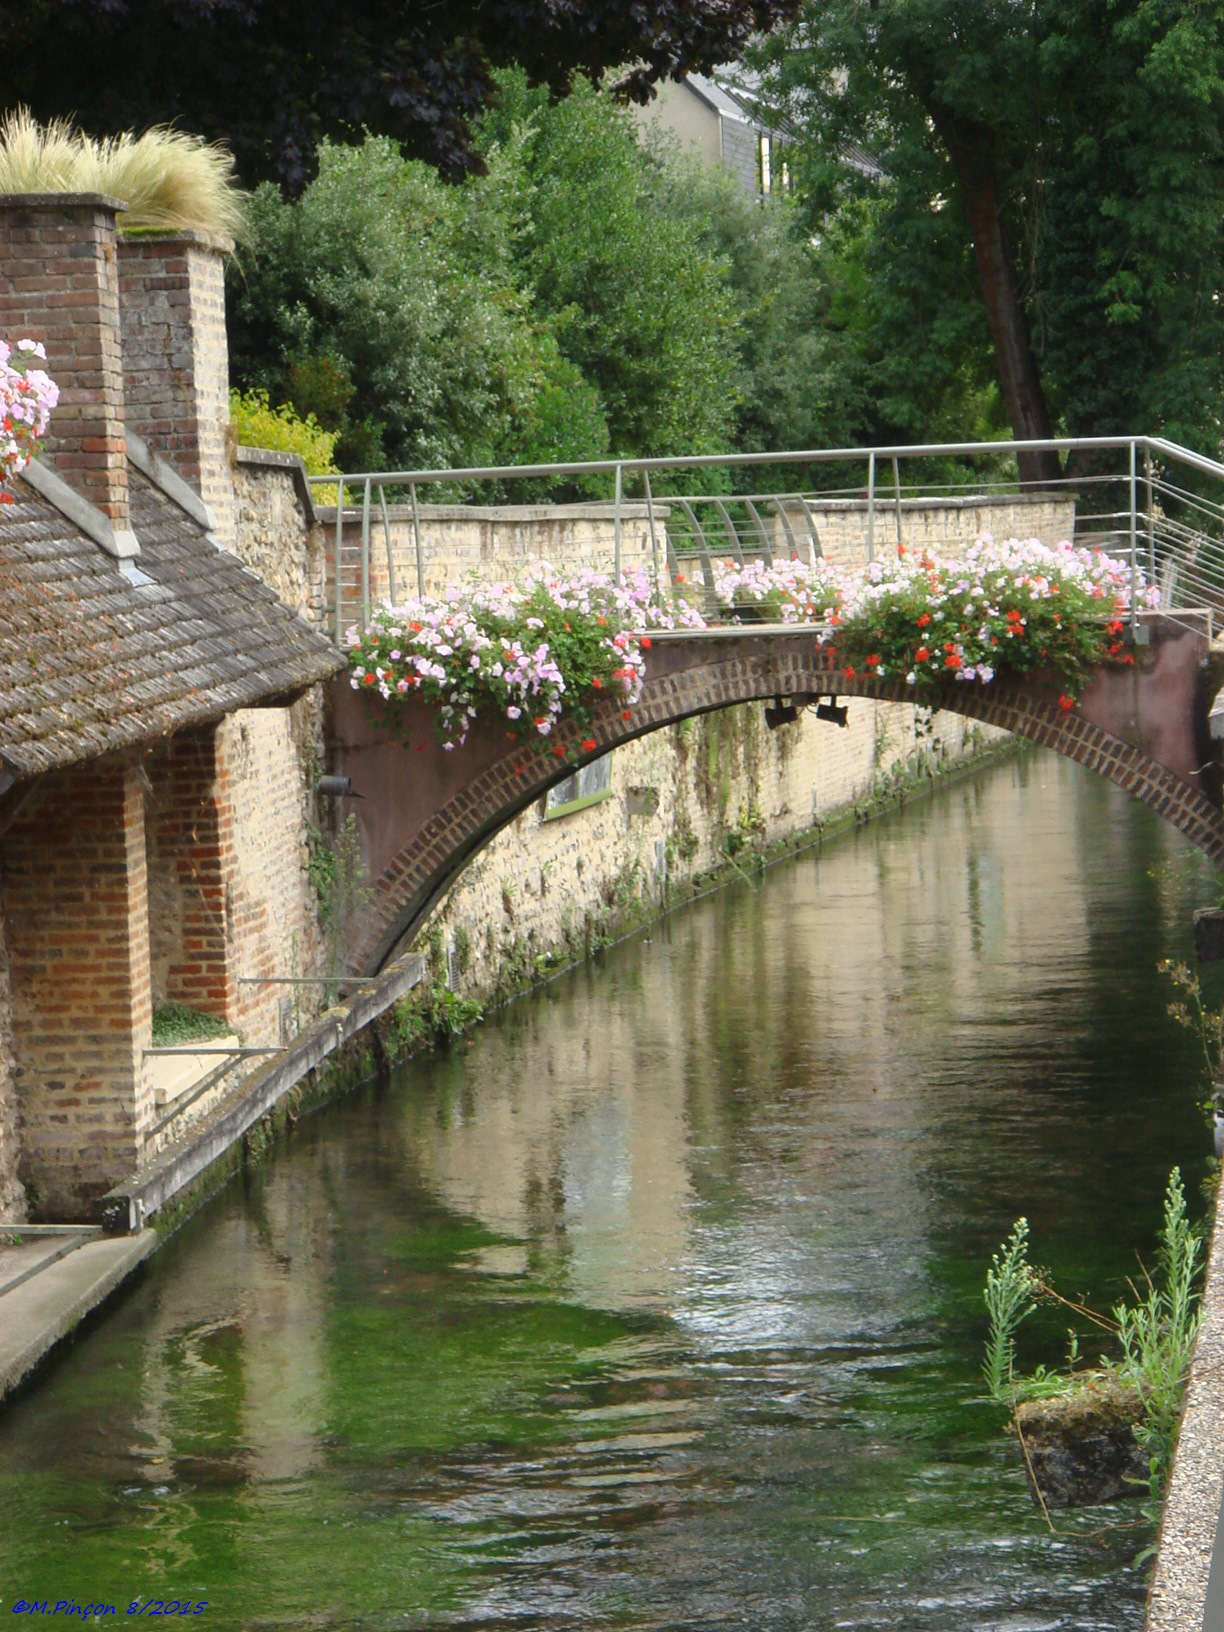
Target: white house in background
[(723, 128)]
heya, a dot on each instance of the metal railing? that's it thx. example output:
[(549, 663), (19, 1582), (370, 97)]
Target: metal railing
[(1146, 500)]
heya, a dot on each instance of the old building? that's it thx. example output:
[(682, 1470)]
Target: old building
[(155, 760)]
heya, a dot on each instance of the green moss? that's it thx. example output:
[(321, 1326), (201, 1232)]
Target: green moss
[(177, 1023)]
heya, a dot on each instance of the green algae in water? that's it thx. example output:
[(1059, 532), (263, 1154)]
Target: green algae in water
[(661, 1306)]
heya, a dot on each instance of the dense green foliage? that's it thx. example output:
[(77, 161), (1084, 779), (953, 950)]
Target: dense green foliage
[(1090, 135), (257, 424), (271, 77), (583, 297)]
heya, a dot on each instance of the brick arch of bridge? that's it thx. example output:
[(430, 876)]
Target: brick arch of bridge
[(426, 812)]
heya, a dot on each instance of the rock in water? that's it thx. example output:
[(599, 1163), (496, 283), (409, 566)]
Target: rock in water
[(1081, 1445)]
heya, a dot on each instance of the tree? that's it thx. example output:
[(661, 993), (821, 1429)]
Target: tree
[(273, 77), (552, 308), (1076, 150), (637, 295), (383, 302)]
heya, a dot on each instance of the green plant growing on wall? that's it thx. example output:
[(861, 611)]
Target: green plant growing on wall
[(1192, 1012), (337, 872), (257, 424), (176, 1024)]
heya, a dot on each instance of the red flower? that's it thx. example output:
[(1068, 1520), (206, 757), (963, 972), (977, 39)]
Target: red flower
[(597, 683), (848, 672), (1066, 704), (646, 643), (558, 750), (625, 715), (873, 662), (589, 745), (1129, 659), (921, 655), (924, 620), (679, 577), (954, 661), (367, 680)]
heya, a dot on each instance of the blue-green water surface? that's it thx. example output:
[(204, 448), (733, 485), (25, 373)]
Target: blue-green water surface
[(659, 1306)]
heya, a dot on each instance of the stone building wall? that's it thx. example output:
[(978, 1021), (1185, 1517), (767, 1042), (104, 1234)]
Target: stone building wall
[(275, 530), (680, 800)]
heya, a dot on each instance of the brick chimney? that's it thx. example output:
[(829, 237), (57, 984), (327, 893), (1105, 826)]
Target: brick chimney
[(176, 358), (59, 283)]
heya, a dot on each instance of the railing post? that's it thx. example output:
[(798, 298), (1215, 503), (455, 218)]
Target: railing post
[(654, 537), (416, 539), (1151, 513), (336, 559), (871, 505), (616, 525), (897, 489), (386, 521), (1134, 547), (365, 553)]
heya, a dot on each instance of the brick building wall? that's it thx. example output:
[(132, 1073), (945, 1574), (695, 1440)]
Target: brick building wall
[(266, 757), (176, 357), (59, 283), (190, 846), (12, 1193), (74, 892)]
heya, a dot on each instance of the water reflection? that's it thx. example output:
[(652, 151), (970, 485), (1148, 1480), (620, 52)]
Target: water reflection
[(660, 1306)]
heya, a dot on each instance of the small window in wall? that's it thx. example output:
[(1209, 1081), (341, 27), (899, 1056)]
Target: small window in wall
[(585, 787), (766, 180), (786, 177)]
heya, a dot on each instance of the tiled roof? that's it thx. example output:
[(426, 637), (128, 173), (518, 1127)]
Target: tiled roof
[(90, 662)]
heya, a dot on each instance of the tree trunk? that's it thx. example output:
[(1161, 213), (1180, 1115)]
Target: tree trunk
[(971, 147)]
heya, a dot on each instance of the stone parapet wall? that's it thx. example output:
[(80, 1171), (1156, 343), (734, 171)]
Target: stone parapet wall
[(947, 526), (275, 529), (459, 542), (680, 800)]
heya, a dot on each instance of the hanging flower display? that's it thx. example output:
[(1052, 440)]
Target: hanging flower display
[(563, 643), (27, 396), (523, 652)]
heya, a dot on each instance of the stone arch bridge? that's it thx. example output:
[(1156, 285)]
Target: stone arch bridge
[(426, 811)]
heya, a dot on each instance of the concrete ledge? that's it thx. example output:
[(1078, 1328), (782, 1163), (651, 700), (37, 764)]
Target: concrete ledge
[(128, 1205), (291, 464), (37, 1314)]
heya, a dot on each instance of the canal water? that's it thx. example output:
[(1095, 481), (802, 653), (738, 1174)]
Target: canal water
[(659, 1306)]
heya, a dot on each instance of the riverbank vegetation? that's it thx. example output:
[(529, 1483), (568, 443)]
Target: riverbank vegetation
[(1152, 1333)]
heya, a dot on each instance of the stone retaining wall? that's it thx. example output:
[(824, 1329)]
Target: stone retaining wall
[(679, 803)]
